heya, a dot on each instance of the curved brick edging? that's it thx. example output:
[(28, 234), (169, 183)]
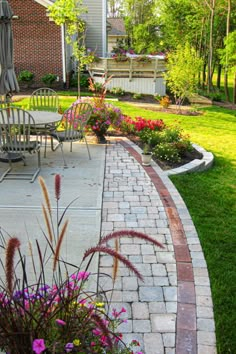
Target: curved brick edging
[(195, 332)]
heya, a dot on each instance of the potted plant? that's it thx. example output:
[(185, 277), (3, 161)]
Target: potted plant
[(146, 155)]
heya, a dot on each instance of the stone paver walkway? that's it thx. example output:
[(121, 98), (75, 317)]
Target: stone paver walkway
[(171, 311)]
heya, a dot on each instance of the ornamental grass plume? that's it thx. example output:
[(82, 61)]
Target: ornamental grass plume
[(12, 245), (57, 313)]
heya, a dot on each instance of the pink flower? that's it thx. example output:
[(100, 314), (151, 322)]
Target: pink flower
[(80, 276), (38, 346), (60, 322)]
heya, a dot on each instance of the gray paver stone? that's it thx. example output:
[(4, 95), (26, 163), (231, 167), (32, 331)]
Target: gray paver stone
[(150, 293), (204, 301), (147, 249), (130, 296), (171, 307), (163, 323), (159, 270), (170, 293), (157, 307), (206, 338), (149, 259), (160, 281), (142, 326), (205, 312), (205, 324), (165, 257), (153, 343), (140, 310), (169, 339), (205, 349), (130, 283)]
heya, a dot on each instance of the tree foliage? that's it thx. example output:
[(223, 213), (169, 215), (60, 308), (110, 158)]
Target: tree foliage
[(183, 66), (68, 13)]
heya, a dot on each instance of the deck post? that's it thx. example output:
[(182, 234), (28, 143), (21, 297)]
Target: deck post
[(130, 69)]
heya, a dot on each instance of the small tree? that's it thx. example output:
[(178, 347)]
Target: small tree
[(183, 67), (67, 13), (228, 57)]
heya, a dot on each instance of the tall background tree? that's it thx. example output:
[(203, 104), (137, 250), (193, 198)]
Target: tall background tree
[(141, 24), (68, 13)]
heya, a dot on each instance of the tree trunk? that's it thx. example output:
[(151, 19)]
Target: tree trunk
[(227, 57), (218, 76), (78, 93), (210, 57), (204, 75), (226, 85), (234, 94)]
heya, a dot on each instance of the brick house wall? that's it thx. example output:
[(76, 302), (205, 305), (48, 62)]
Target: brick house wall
[(37, 41)]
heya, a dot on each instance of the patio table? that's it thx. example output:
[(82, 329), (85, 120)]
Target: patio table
[(45, 120)]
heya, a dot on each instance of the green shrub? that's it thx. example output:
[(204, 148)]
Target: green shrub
[(137, 96), (25, 76), (183, 145), (151, 137), (167, 152), (83, 81), (157, 97), (117, 91), (49, 79)]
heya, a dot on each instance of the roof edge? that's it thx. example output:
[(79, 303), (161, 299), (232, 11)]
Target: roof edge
[(45, 3)]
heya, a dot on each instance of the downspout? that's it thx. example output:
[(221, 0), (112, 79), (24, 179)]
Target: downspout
[(104, 28), (63, 55)]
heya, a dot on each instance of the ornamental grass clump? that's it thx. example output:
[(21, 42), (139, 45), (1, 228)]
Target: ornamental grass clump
[(55, 312)]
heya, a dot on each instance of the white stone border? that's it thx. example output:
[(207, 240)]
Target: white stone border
[(197, 165)]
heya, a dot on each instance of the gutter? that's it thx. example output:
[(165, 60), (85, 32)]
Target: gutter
[(63, 54), (104, 28)]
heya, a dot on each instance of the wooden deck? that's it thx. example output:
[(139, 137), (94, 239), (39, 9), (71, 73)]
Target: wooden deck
[(131, 75)]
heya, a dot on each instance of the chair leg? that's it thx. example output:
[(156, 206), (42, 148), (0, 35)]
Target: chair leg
[(5, 174), (53, 148), (39, 166), (87, 147), (63, 156), (45, 145)]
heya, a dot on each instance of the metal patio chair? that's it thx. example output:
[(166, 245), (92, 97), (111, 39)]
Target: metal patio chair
[(71, 126), (16, 138), (44, 99)]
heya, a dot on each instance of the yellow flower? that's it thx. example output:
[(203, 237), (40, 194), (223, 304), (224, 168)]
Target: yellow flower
[(76, 342), (99, 304)]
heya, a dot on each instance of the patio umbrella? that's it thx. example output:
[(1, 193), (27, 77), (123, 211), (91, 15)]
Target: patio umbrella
[(8, 81)]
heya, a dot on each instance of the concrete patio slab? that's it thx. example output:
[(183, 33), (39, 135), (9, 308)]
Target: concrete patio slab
[(21, 201)]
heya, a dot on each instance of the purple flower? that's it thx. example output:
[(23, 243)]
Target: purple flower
[(38, 346), (69, 347), (60, 322)]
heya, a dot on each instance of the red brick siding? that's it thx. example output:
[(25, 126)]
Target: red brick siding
[(37, 41)]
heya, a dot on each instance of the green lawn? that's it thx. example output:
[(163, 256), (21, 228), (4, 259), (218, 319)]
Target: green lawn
[(211, 199)]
